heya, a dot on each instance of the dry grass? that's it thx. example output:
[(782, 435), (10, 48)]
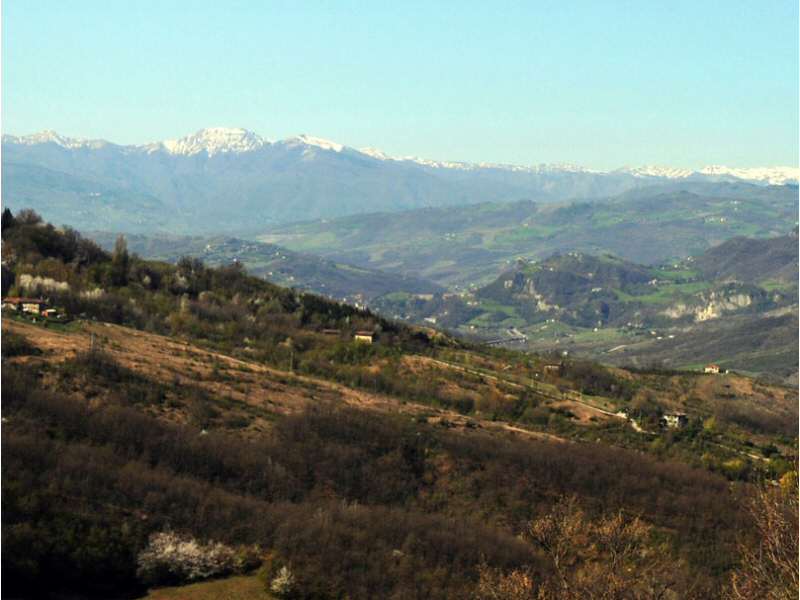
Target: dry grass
[(233, 588), (244, 383)]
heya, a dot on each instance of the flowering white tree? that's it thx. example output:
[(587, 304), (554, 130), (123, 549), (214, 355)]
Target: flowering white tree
[(170, 557), (283, 583)]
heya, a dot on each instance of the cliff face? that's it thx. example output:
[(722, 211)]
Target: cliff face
[(591, 291), (731, 298)]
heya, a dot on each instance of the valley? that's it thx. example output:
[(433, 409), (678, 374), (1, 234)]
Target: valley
[(340, 281), (471, 247), (701, 292), (399, 301), (624, 313), (209, 401)]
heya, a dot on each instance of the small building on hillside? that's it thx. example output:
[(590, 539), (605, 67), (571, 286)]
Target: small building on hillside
[(712, 368), (331, 332), (34, 306), (364, 336), (674, 420)]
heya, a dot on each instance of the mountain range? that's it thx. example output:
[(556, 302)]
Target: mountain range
[(229, 180)]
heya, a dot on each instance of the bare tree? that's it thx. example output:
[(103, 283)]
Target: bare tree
[(610, 558), (769, 567), (516, 585), (28, 216)]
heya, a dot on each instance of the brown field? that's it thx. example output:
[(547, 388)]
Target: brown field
[(249, 388), (232, 588)]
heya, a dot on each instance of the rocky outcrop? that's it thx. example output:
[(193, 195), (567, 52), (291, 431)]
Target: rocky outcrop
[(716, 303)]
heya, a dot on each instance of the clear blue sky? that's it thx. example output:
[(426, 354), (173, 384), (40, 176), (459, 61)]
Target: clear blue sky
[(598, 83)]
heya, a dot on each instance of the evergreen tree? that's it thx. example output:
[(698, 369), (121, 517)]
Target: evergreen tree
[(8, 220), (120, 261)]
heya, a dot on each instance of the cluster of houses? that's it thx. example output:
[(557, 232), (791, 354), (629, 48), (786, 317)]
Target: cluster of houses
[(36, 307), (670, 420)]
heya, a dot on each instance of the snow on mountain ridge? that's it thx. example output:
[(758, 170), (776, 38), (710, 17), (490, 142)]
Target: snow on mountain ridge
[(656, 171), (215, 140), (48, 136), (310, 140), (221, 140), (468, 166), (770, 175), (375, 153)]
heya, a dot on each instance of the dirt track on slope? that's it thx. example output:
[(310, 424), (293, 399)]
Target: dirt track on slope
[(179, 362)]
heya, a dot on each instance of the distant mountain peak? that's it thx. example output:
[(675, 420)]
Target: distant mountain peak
[(468, 166), (770, 175), (375, 153), (48, 136), (657, 171), (215, 140), (310, 140)]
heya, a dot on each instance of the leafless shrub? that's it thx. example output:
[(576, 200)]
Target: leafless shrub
[(769, 567), (611, 558)]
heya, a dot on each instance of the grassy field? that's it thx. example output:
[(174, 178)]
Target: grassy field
[(234, 588), (664, 294)]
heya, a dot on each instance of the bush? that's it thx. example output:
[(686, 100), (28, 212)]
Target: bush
[(170, 558), (17, 345), (283, 585)]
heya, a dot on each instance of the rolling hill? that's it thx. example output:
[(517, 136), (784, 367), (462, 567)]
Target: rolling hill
[(741, 312), (471, 247), (279, 265), (752, 260)]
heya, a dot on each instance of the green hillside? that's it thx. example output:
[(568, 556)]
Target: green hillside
[(626, 313), (468, 248), (771, 260)]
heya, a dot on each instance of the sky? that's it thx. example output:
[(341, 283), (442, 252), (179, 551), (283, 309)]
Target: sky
[(601, 84)]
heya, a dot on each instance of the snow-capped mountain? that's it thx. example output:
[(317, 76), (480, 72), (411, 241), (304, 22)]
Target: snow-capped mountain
[(51, 137), (229, 179), (308, 140), (770, 175), (762, 175), (222, 140), (213, 141)]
